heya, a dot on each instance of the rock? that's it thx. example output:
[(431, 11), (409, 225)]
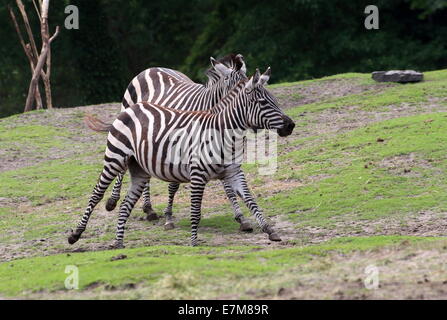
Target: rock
[(401, 76)]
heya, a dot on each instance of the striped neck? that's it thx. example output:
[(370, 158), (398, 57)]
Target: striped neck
[(215, 92), (231, 111), (213, 78)]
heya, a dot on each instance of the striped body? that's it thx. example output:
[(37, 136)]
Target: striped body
[(143, 132), (173, 89), (142, 137)]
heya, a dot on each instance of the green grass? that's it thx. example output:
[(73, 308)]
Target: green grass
[(355, 181), (434, 87), (349, 76), (218, 222), (146, 266), (386, 171), (35, 137), (52, 180)]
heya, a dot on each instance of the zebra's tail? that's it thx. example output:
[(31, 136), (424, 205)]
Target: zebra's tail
[(96, 125)]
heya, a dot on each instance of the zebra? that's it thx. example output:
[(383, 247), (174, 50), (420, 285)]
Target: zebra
[(141, 136), (173, 89)]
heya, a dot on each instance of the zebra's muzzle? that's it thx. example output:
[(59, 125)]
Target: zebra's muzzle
[(287, 128)]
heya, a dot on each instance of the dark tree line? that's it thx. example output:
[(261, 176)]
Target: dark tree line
[(299, 39)]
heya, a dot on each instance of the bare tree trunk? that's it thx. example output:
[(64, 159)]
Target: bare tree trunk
[(28, 29), (37, 61), (29, 54), (38, 69), (46, 75)]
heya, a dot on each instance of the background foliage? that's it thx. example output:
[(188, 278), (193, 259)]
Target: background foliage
[(299, 39)]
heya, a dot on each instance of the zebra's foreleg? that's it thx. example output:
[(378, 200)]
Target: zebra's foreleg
[(238, 216), (138, 182), (105, 179), (239, 185), (197, 188), (113, 200), (169, 221), (147, 205)]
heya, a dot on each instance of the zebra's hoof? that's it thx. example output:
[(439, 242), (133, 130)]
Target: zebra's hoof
[(197, 242), (111, 204), (274, 237), (73, 238), (246, 227), (117, 245), (194, 242), (152, 216), (169, 225), (147, 208)]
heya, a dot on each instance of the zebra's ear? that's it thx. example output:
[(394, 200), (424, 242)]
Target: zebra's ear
[(256, 77), (250, 85), (265, 76), (213, 61), (243, 67), (220, 67)]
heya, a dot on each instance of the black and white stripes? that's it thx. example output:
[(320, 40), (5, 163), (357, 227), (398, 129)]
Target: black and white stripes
[(140, 139), (173, 89)]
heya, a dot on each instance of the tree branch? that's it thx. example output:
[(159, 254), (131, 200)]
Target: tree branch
[(37, 10), (39, 66), (37, 61), (28, 53), (28, 28)]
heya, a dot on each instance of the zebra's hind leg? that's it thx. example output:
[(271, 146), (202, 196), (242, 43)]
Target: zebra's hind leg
[(105, 179), (138, 181), (239, 184), (113, 200), (147, 205), (169, 221), (238, 216)]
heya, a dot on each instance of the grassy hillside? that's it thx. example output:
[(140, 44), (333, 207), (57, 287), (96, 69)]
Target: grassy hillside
[(362, 181)]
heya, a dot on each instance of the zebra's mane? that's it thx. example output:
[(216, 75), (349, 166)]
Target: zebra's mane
[(232, 94), (229, 61), (220, 106)]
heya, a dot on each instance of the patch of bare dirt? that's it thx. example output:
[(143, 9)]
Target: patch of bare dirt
[(424, 223), (139, 232), (401, 274), (296, 95), (285, 229), (403, 165)]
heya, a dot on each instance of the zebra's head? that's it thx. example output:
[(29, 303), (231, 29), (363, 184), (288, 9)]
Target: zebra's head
[(232, 61), (229, 76), (264, 112)]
